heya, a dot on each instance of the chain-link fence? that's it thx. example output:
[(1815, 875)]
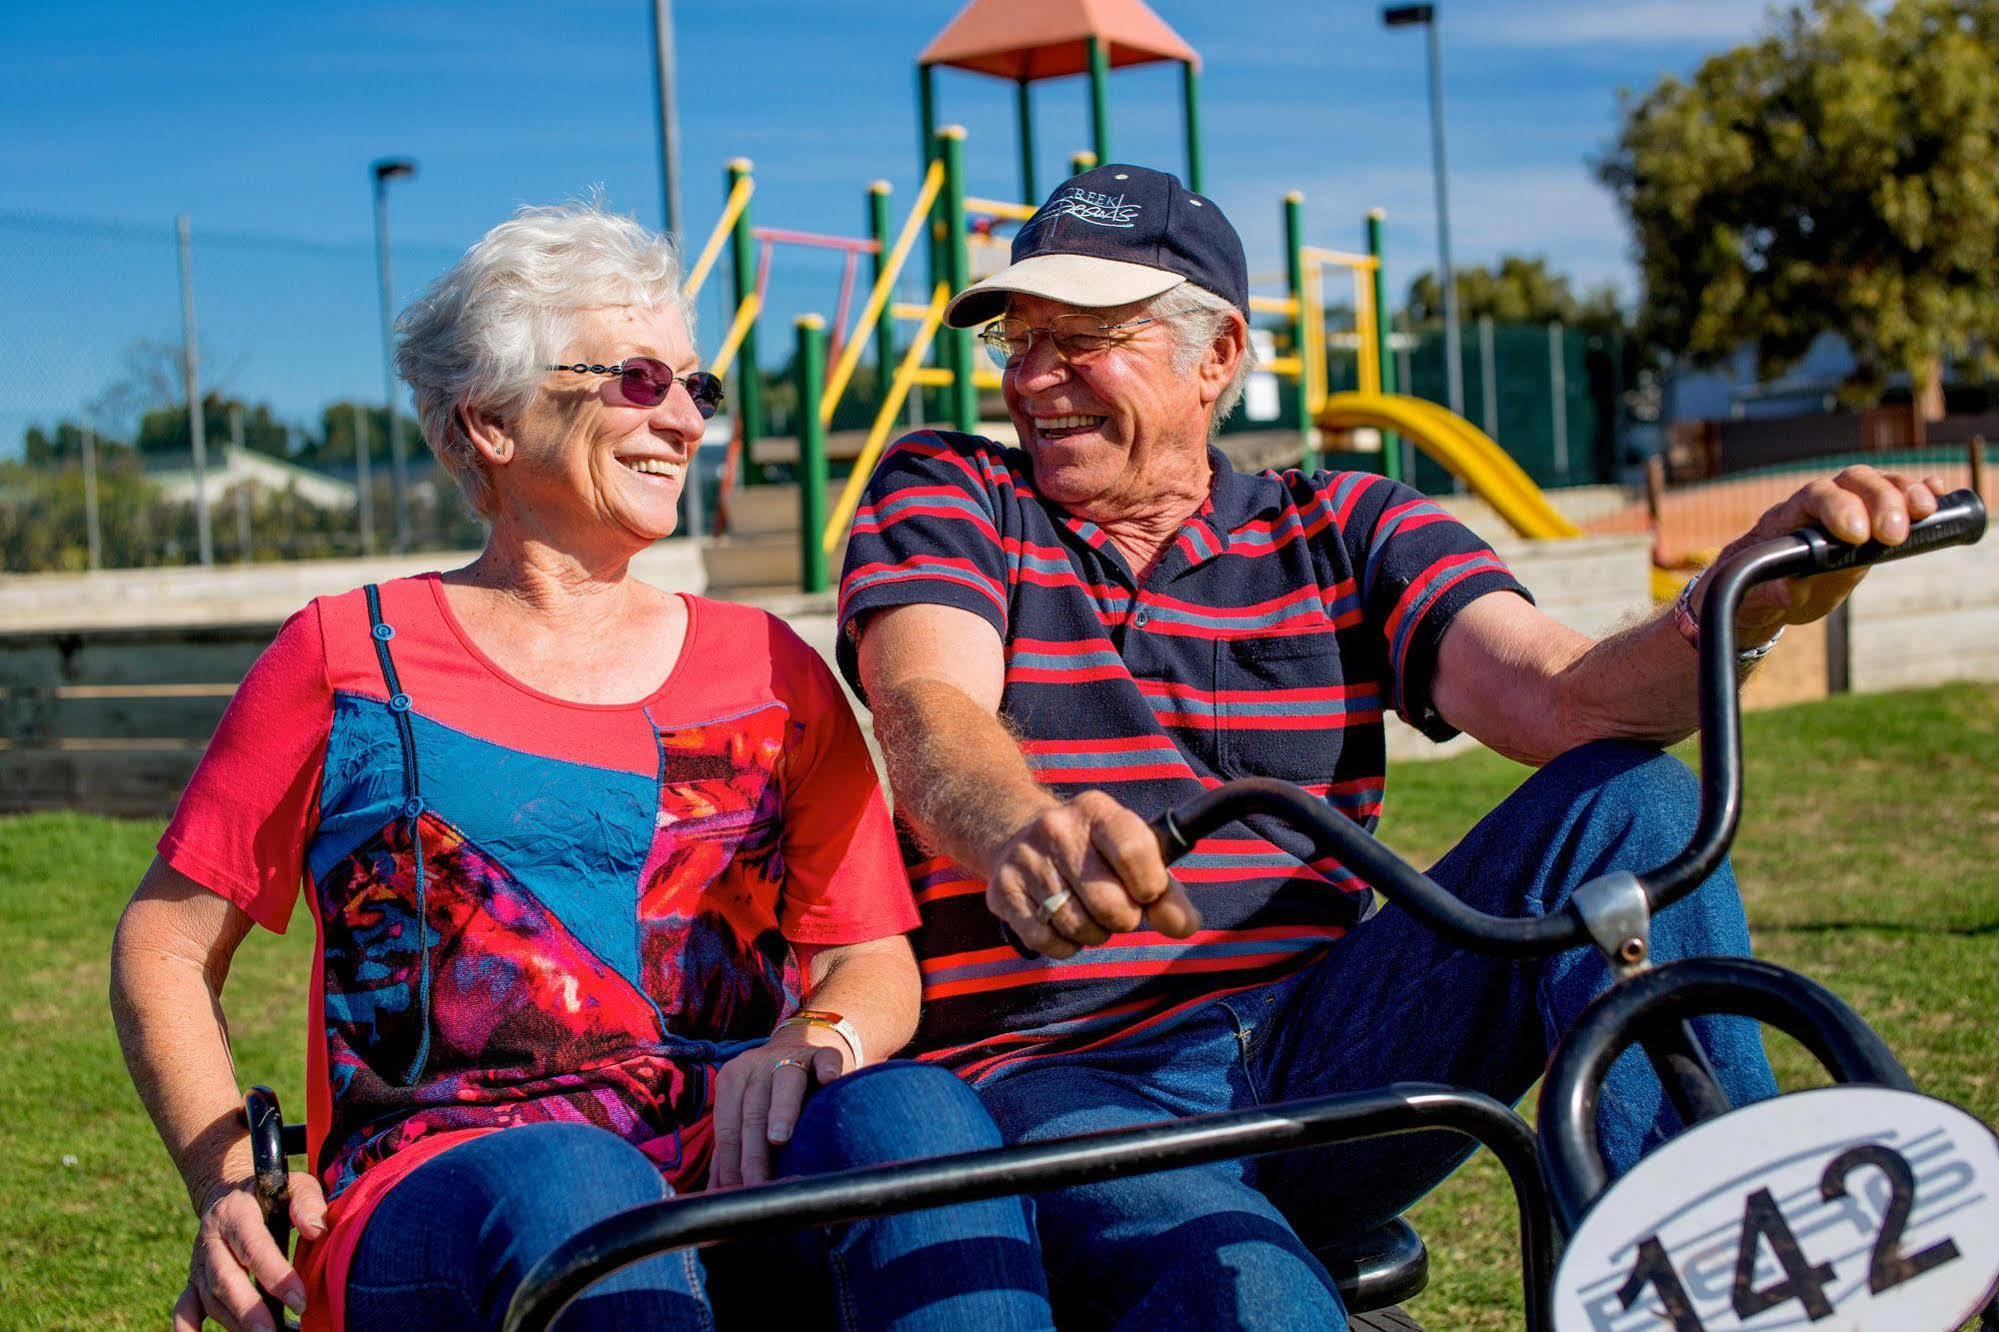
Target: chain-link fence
[(98, 450)]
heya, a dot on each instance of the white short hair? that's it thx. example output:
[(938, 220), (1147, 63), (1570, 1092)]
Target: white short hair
[(1197, 318), (480, 336)]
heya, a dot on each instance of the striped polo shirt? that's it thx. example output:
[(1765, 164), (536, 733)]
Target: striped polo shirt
[(1266, 642)]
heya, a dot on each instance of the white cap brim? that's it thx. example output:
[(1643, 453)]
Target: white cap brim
[(1073, 279)]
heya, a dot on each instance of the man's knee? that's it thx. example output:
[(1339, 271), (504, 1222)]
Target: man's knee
[(895, 1111), (1644, 797)]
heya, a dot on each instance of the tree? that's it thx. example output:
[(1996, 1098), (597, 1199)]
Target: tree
[(1520, 291), (1839, 175)]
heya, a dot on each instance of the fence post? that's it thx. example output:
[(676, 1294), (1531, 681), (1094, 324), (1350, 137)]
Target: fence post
[(743, 284), (364, 480), (1558, 393), (197, 426), (809, 374), (92, 532), (964, 410), (1488, 377), (1978, 465), (243, 489), (1391, 443)]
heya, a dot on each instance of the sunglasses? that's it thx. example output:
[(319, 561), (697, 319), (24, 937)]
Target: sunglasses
[(644, 381)]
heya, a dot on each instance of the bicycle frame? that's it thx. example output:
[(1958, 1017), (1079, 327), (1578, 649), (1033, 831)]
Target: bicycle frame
[(1614, 917)]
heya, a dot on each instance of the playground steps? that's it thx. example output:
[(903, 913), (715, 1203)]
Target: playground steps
[(759, 558)]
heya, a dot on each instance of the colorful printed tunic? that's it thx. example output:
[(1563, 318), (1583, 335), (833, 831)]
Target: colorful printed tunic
[(530, 909)]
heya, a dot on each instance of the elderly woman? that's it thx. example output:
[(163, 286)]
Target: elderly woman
[(578, 852)]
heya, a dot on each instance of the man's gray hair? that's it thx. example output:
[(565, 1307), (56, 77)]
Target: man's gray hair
[(480, 336), (1197, 318)]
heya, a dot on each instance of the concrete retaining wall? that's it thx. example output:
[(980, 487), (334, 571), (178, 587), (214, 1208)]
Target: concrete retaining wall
[(1927, 620), (254, 593)]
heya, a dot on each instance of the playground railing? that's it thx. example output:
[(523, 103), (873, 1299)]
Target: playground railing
[(850, 353), (739, 199), (906, 375)]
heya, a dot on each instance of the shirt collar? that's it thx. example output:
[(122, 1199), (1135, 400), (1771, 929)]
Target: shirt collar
[(1236, 497)]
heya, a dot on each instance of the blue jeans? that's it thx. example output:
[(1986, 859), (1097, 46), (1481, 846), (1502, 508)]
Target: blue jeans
[(447, 1247), (1218, 1245)]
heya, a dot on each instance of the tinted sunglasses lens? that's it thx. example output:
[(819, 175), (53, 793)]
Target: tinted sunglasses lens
[(645, 382), (706, 390)]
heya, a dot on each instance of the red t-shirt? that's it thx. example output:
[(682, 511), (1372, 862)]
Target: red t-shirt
[(529, 909)]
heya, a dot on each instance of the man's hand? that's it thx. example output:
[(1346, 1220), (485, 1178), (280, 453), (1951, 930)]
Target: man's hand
[(1101, 863), (1858, 504), (232, 1246), (759, 1093)]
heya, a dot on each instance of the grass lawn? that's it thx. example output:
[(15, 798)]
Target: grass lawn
[(1867, 851)]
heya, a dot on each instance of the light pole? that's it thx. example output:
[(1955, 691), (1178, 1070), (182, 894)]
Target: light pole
[(383, 171), (669, 124), (1406, 16)]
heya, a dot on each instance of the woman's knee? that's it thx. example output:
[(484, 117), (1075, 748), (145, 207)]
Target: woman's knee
[(548, 1179), (896, 1111)]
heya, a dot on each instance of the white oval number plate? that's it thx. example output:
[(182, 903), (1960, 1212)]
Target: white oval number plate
[(1852, 1208)]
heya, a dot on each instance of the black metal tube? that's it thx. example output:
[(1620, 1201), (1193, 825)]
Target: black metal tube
[(1958, 521), (1817, 1018), (613, 1244), (1334, 834), (1684, 1070)]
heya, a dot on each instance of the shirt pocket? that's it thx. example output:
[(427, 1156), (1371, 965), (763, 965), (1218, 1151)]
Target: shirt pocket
[(1281, 708)]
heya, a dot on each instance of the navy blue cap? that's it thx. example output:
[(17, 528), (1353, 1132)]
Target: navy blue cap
[(1111, 236)]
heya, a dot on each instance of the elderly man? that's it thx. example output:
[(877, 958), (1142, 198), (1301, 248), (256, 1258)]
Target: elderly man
[(1063, 639)]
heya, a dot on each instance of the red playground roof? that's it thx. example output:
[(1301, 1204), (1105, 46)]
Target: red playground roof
[(1047, 39)]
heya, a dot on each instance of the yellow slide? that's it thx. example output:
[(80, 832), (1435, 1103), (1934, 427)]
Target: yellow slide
[(1468, 452)]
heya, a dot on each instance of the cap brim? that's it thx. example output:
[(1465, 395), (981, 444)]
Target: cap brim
[(1073, 279)]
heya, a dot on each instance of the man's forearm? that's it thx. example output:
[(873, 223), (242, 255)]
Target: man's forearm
[(1639, 684), (957, 773)]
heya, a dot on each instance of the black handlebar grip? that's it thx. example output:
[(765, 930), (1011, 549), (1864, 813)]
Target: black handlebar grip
[(1958, 521)]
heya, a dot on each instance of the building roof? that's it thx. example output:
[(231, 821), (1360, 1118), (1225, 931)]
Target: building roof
[(1027, 40)]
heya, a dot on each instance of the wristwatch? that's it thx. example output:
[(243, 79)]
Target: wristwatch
[(839, 1026), (1690, 628)]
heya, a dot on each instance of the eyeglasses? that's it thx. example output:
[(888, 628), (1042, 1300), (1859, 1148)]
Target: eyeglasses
[(644, 381), (1077, 337)]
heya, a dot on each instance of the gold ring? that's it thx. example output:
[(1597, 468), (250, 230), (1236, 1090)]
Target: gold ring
[(1052, 904)]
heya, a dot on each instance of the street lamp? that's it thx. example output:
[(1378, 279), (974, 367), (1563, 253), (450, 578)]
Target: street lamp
[(384, 170), (1425, 16)]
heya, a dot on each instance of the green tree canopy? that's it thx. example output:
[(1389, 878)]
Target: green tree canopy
[(1521, 290), (1840, 175)]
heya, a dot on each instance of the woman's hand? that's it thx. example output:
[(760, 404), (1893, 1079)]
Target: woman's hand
[(232, 1246), (758, 1095)]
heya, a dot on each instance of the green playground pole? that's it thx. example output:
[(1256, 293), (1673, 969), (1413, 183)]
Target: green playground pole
[(1024, 105), (1391, 443), (1100, 98), (1190, 91), (964, 400), (1294, 273), (878, 227), (809, 374), (926, 116), (1081, 162), (743, 284)]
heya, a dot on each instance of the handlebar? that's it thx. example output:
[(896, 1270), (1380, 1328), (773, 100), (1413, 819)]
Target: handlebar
[(1958, 521)]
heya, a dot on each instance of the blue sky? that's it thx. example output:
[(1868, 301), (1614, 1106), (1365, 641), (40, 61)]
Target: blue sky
[(259, 121)]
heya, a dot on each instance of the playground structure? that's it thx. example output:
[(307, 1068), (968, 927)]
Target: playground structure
[(962, 234)]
